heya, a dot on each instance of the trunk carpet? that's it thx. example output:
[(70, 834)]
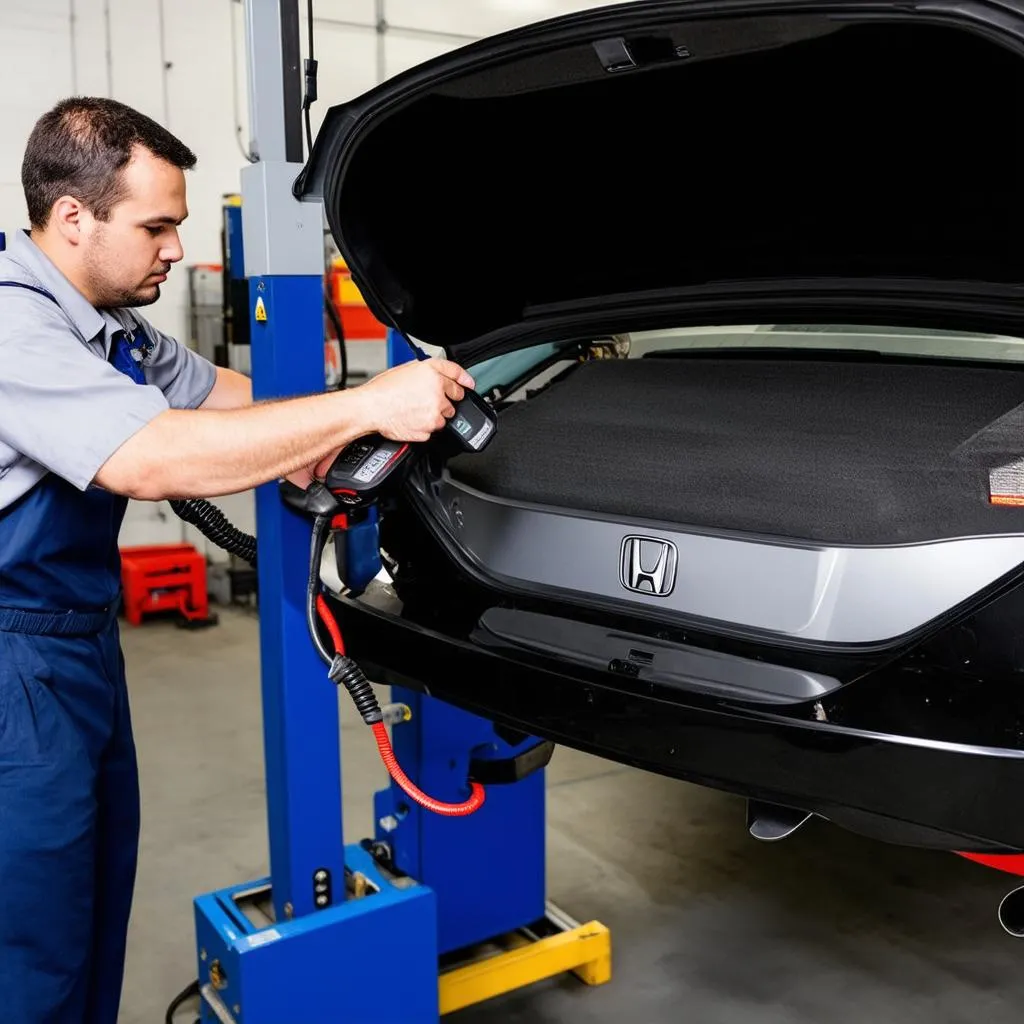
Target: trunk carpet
[(830, 451)]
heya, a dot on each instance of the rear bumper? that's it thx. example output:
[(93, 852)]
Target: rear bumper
[(902, 789)]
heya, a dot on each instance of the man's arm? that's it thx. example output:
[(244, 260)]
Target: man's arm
[(231, 390), (204, 453)]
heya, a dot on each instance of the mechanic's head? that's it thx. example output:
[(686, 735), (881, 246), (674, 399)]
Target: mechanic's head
[(106, 192)]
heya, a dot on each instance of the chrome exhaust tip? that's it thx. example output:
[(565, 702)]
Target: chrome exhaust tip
[(1011, 913), (771, 823)]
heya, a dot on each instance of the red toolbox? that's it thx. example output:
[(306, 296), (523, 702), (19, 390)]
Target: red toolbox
[(164, 577)]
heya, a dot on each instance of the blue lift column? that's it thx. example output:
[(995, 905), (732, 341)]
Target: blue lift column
[(283, 260), (336, 935), (320, 940)]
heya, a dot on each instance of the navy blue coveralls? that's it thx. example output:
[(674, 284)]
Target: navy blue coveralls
[(73, 389), (69, 794)]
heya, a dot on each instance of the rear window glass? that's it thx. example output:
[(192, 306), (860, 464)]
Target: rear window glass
[(538, 362), (884, 340)]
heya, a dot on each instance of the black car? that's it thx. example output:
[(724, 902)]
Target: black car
[(744, 283)]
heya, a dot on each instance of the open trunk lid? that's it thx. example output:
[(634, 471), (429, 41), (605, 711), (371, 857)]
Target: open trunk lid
[(690, 163)]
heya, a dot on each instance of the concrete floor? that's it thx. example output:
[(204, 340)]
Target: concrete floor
[(707, 924)]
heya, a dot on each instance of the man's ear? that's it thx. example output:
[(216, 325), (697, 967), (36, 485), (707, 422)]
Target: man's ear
[(66, 219)]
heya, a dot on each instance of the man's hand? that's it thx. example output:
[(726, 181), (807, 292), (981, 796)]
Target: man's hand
[(410, 402), (421, 392)]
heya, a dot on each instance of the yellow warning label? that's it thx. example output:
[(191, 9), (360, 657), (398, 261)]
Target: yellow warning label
[(261, 312)]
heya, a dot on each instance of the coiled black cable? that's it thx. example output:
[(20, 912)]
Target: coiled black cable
[(216, 527), (345, 672)]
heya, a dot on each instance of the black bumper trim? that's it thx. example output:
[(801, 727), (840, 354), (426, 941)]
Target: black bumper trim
[(956, 790)]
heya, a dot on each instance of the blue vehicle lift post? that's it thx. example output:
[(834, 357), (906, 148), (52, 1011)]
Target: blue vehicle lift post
[(335, 935)]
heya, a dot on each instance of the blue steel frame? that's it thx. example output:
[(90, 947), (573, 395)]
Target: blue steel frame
[(371, 959), (486, 869), (330, 958), (300, 704), (398, 350)]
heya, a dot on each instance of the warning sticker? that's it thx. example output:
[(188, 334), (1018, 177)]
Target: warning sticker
[(261, 311)]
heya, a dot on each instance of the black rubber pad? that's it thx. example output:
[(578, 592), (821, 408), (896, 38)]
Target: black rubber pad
[(831, 451)]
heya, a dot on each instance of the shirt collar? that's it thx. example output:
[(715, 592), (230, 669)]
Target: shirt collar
[(86, 318)]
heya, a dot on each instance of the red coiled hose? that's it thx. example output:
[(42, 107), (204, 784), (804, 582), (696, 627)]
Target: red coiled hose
[(387, 755)]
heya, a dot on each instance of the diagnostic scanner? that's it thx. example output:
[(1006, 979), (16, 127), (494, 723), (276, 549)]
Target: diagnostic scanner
[(362, 468)]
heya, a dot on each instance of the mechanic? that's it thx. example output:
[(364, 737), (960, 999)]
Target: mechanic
[(96, 407)]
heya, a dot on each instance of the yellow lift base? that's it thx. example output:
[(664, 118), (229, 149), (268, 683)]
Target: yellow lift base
[(524, 957)]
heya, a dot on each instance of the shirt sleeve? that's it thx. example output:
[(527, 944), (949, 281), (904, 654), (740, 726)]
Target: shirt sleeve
[(184, 376), (60, 404)]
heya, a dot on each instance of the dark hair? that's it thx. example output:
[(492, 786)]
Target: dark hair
[(80, 147)]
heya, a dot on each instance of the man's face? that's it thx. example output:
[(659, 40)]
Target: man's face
[(126, 258)]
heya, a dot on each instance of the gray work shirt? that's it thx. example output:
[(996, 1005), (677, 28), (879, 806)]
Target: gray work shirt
[(64, 408)]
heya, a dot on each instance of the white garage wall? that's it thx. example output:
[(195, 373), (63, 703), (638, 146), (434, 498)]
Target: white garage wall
[(36, 58), (182, 62)]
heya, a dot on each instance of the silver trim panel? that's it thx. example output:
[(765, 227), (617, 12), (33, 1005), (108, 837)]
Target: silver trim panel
[(841, 595)]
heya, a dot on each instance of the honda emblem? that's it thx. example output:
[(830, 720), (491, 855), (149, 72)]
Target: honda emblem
[(648, 565)]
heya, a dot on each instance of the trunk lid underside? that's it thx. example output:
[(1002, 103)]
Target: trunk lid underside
[(860, 162)]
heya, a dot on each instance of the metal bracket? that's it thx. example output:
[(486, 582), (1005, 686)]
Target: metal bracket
[(501, 771), (216, 1004)]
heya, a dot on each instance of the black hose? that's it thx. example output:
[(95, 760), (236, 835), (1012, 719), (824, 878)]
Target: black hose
[(332, 312), (316, 550), (215, 526), (310, 66), (182, 997)]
